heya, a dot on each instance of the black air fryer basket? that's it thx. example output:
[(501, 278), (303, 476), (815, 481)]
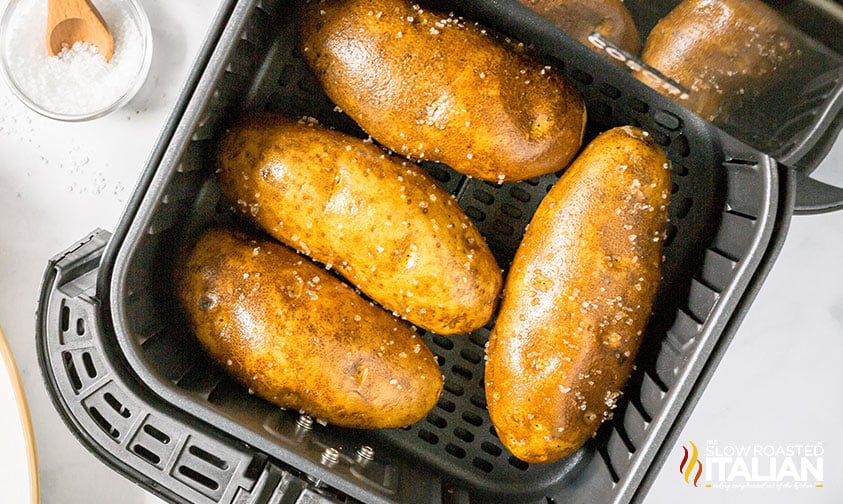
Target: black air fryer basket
[(134, 386)]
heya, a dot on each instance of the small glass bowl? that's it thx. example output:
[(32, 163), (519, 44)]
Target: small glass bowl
[(138, 16)]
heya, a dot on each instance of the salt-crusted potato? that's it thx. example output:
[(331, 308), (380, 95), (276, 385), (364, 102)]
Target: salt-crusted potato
[(301, 338), (578, 296), (581, 18), (721, 51), (381, 222), (432, 86)]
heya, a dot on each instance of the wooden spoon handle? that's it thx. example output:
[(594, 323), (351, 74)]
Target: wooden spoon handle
[(70, 21)]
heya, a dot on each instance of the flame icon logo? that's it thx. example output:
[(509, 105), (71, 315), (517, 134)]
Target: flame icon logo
[(686, 467)]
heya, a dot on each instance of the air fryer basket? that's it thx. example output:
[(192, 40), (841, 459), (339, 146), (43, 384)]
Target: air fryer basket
[(788, 120), (129, 378)]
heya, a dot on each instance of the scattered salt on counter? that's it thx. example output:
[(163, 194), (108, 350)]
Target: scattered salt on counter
[(78, 81)]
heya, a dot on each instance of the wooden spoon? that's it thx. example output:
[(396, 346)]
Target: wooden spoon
[(70, 21)]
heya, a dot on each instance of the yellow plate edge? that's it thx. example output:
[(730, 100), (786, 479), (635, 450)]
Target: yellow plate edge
[(26, 420)]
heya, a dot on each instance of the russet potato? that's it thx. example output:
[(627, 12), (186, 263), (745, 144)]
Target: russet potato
[(432, 86), (381, 222), (299, 337), (721, 51), (578, 297)]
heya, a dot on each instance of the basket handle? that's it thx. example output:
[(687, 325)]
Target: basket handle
[(815, 197)]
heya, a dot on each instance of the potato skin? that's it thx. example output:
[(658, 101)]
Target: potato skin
[(578, 296), (430, 86), (720, 50), (383, 224), (580, 18), (301, 338)]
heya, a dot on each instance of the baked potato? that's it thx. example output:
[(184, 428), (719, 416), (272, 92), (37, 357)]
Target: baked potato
[(301, 338), (720, 51), (581, 18), (381, 222), (578, 297), (433, 86)]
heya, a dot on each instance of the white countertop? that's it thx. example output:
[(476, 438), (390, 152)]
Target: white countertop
[(777, 385)]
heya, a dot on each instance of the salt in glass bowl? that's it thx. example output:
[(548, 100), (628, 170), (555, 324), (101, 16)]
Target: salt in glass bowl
[(137, 16)]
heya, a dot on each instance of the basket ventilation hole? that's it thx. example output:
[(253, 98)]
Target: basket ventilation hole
[(503, 228), (454, 388), (464, 434), (518, 464), (680, 143), (660, 138), (438, 421), (479, 339), (475, 213), (610, 91), (428, 436), (683, 207), (483, 465), (146, 454), (208, 457), (638, 106), (512, 211), (479, 401), (471, 356), (103, 423), (484, 197), (116, 405), (465, 373), (672, 230), (65, 318), (80, 326), (438, 173), (491, 449), (519, 194), (473, 419), (447, 405), (443, 342), (72, 373), (455, 450), (581, 76), (156, 434), (90, 368), (198, 477)]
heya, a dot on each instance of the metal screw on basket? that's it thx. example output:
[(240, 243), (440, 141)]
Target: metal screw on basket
[(365, 454), (305, 422), (330, 456)]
